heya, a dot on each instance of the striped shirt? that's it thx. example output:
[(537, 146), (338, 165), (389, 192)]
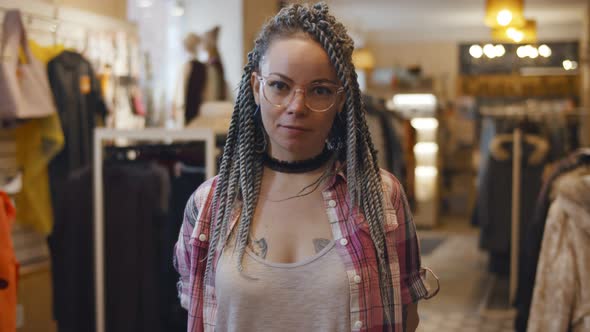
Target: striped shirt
[(353, 243)]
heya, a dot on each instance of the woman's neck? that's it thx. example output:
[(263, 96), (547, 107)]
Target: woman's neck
[(279, 184)]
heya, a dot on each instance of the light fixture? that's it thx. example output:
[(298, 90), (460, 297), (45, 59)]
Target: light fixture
[(502, 13), (424, 123), (521, 52), (544, 51), (514, 34), (500, 50), (476, 51), (426, 171), (504, 17), (533, 52), (489, 50), (425, 148), (363, 59), (569, 64)]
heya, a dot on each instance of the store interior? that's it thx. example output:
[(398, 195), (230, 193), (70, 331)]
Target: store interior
[(481, 108)]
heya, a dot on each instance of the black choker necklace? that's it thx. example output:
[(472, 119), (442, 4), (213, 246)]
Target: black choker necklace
[(299, 166)]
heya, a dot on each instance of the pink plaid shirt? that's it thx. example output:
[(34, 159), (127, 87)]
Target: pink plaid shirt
[(353, 243)]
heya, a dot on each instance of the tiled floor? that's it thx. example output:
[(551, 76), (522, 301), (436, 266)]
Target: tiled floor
[(465, 284)]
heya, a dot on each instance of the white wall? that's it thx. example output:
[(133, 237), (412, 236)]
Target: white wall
[(112, 8), (160, 36)]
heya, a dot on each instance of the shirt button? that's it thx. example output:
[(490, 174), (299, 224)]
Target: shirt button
[(357, 279), (358, 324), (3, 284), (202, 237), (332, 203), (343, 242)]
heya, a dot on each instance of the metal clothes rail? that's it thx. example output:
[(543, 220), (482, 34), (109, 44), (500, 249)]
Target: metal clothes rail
[(150, 135)]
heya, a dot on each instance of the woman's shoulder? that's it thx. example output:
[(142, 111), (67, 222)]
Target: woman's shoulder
[(390, 183), (203, 193)]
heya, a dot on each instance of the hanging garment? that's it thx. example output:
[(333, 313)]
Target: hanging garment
[(24, 89), (37, 142), (80, 106), (217, 78), (561, 297), (8, 267), (495, 194), (8, 163), (133, 222), (529, 255), (195, 85)]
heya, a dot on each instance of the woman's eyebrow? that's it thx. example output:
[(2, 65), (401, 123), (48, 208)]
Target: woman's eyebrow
[(316, 81)]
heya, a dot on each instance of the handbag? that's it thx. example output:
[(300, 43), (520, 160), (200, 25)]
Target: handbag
[(24, 86)]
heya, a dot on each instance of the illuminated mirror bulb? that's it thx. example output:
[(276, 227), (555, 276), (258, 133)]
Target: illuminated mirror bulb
[(544, 51), (499, 50), (489, 51), (476, 51), (521, 51)]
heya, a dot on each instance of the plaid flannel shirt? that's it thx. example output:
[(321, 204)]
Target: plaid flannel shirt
[(353, 242)]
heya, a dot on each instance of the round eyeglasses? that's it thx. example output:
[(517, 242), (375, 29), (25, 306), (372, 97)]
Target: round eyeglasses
[(319, 97)]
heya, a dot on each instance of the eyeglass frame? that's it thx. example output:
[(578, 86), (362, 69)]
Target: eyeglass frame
[(263, 80)]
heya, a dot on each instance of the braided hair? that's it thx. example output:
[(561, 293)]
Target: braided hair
[(241, 166)]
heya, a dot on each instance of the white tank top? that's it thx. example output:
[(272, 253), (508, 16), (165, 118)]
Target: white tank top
[(311, 295)]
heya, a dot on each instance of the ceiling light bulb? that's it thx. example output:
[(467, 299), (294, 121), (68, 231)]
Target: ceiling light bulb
[(476, 51), (567, 64), (544, 51), (574, 64), (504, 17), (489, 51), (533, 53), (500, 50), (515, 34)]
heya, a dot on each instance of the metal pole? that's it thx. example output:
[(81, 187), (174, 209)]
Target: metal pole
[(514, 243)]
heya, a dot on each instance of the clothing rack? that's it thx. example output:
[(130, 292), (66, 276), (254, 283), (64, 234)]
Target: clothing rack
[(151, 135), (58, 14), (63, 22), (517, 134)]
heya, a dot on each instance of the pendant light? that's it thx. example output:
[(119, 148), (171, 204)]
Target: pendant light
[(503, 13), (519, 35)]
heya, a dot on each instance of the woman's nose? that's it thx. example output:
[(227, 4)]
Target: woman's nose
[(297, 104)]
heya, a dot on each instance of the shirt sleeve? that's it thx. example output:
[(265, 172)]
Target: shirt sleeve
[(413, 288), (182, 251)]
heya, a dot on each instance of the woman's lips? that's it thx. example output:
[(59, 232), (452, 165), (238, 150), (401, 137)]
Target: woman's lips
[(294, 129)]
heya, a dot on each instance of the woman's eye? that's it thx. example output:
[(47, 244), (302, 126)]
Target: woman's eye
[(322, 91), (278, 85)]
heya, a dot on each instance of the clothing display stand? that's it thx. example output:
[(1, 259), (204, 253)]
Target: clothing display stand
[(151, 134), (514, 242)]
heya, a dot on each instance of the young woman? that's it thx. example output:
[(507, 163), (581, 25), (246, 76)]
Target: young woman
[(301, 230)]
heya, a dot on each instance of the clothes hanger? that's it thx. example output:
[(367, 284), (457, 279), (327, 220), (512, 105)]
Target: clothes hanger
[(15, 185)]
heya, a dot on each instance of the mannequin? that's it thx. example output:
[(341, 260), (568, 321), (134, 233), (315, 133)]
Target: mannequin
[(216, 75), (191, 85)]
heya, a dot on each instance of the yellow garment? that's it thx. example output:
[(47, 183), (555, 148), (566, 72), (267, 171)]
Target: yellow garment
[(38, 141)]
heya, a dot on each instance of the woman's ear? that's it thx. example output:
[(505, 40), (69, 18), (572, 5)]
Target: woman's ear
[(255, 84)]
